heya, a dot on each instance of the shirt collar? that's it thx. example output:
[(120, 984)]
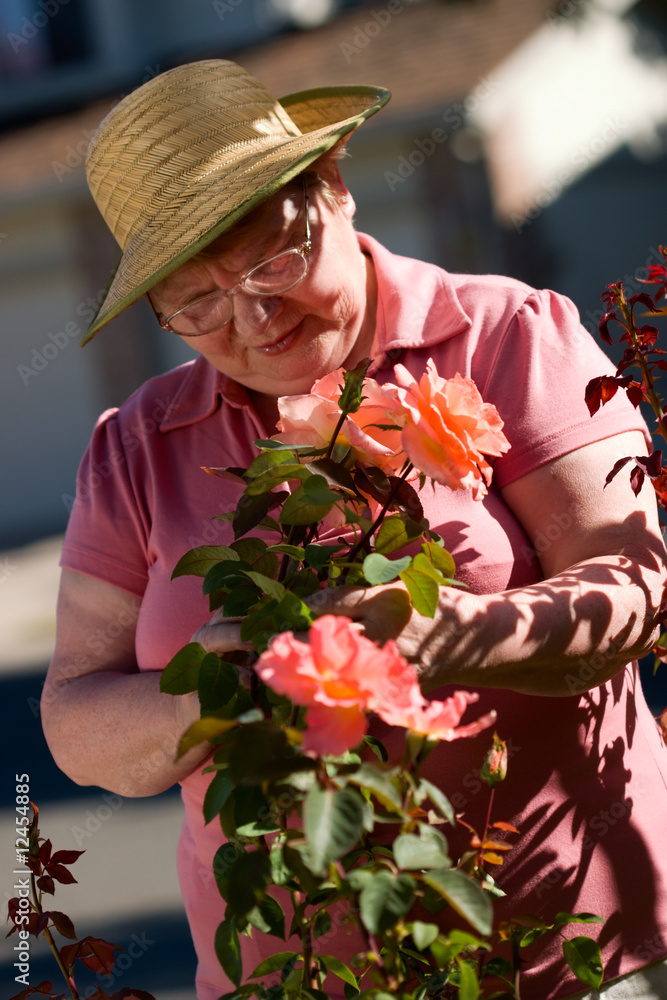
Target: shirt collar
[(417, 306)]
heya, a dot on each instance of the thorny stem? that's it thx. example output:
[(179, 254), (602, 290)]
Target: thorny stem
[(341, 421), (52, 944), (378, 520), (640, 360)]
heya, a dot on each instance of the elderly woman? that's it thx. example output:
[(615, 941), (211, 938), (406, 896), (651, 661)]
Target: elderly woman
[(235, 223)]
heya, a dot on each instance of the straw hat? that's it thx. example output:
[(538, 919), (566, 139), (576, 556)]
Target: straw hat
[(182, 158)]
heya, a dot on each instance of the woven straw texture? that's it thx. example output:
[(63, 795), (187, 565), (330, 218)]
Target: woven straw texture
[(182, 158)]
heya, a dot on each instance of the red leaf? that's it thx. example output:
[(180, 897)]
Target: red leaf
[(66, 857), (599, 391), (635, 393), (63, 924), (60, 873), (69, 954), (97, 954), (617, 468), (645, 300), (501, 825), (34, 864), (46, 884), (45, 852), (604, 328), (636, 480), (44, 989), (652, 465)]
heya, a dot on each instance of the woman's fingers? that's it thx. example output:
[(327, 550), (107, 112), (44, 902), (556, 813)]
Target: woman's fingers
[(384, 612), (221, 635)]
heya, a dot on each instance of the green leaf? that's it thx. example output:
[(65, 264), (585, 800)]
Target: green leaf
[(309, 503), (241, 994), (321, 923), (468, 982), (268, 460), (334, 473), (318, 556), (228, 573), (266, 584), (378, 569), (274, 477), (262, 753), (292, 614), (423, 934), (379, 784), (251, 511), (294, 860), (295, 552), (202, 730), (273, 963), (377, 747), (583, 956), (268, 444), (182, 672), (239, 601), (463, 895), (425, 851), (243, 882), (440, 558), (256, 552), (577, 918), (438, 798), (228, 950), (338, 968), (268, 917), (395, 532), (384, 900), (423, 590), (333, 822), (217, 794), (218, 682), (197, 562)]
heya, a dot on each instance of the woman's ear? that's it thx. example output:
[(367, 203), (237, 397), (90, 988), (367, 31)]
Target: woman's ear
[(341, 193)]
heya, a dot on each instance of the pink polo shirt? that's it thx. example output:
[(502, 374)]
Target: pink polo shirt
[(588, 773)]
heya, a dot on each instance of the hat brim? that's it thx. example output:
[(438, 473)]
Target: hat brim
[(272, 164)]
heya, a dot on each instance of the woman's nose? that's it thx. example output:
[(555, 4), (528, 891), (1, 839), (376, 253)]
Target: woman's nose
[(254, 313)]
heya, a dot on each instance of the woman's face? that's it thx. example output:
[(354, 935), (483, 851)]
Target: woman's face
[(279, 345)]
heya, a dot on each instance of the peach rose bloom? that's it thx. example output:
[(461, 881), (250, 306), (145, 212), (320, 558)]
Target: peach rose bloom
[(312, 419), (340, 675), (449, 429)]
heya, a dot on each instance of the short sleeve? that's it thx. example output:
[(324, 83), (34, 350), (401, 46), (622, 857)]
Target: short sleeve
[(536, 375), (108, 529)]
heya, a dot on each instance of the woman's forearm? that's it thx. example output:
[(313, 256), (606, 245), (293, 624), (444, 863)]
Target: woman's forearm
[(118, 731), (559, 637)]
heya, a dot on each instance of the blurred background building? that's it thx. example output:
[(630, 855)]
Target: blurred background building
[(526, 137)]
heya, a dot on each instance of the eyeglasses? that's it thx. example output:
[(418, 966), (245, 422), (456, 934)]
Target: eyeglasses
[(270, 277)]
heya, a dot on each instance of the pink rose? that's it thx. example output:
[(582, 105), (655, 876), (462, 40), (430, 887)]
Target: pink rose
[(334, 675), (312, 419), (449, 429), (340, 675)]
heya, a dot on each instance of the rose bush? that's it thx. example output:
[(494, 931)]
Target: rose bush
[(292, 785)]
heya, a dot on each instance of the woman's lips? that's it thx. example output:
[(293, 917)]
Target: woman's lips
[(282, 344)]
